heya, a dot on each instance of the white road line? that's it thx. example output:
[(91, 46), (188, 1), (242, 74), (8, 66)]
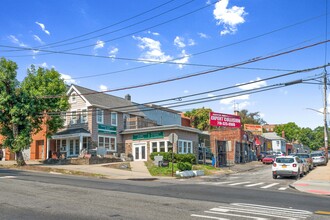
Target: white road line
[(235, 184), (210, 217), (219, 183), (282, 188), (7, 177), (255, 184), (236, 215), (254, 206), (264, 212), (270, 185)]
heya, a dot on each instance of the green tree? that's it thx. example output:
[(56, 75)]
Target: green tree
[(291, 131), (23, 109), (199, 118), (306, 137), (250, 118)]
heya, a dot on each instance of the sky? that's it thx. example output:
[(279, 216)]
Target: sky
[(192, 53)]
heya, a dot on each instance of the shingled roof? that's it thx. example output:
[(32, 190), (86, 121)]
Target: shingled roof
[(107, 101)]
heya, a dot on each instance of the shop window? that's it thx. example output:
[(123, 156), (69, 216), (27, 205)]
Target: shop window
[(109, 143), (63, 146), (162, 146), (159, 146), (154, 147)]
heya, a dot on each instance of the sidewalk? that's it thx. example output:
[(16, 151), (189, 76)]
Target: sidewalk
[(316, 182), (138, 170)]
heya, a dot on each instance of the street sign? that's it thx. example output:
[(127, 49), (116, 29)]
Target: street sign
[(173, 138)]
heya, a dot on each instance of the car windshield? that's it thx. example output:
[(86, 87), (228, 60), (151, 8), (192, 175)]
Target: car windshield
[(303, 155), (317, 155), (284, 160)]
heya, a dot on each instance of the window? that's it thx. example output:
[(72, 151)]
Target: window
[(74, 117), (83, 118), (85, 142), (114, 118), (77, 146), (73, 97), (161, 146), (99, 116), (109, 143), (185, 147), (63, 146), (169, 147), (154, 147), (63, 116)]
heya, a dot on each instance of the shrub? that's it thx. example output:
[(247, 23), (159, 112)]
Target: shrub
[(190, 158), (166, 155), (182, 166)]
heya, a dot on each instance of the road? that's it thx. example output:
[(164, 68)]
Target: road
[(33, 195)]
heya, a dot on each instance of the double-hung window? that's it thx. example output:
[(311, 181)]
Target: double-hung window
[(114, 118), (109, 143), (74, 117), (83, 118), (99, 116)]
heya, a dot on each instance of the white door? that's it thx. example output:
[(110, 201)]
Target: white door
[(140, 152)]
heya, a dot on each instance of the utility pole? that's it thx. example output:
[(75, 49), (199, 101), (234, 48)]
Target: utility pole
[(325, 113)]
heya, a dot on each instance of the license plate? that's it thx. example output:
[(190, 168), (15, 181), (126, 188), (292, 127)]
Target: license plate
[(283, 166)]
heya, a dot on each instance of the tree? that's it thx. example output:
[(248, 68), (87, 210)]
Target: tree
[(250, 118), (291, 131), (199, 118), (23, 108)]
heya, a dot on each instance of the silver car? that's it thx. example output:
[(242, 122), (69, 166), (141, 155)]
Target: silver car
[(318, 158)]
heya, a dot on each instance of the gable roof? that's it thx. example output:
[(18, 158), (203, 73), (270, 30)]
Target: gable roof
[(107, 101)]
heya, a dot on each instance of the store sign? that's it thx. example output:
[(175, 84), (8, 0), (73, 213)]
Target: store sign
[(106, 129), (251, 127), (225, 120), (148, 135)]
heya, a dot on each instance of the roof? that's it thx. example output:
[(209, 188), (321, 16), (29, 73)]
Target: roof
[(162, 128), (272, 136), (72, 133), (107, 101)]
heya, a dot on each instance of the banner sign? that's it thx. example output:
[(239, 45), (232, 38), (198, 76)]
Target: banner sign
[(225, 120)]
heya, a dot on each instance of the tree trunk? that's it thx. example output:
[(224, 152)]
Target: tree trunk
[(19, 159)]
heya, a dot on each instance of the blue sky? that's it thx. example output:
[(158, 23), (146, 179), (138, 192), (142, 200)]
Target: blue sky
[(113, 40)]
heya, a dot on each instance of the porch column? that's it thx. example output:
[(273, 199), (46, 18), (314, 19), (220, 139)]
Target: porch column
[(48, 146), (80, 143)]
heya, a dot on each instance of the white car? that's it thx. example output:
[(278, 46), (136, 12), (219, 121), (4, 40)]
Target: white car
[(287, 166)]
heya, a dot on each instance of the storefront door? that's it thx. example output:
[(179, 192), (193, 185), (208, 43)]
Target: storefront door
[(140, 152)]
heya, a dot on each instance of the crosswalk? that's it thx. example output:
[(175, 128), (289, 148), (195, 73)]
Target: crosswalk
[(247, 184), (251, 211)]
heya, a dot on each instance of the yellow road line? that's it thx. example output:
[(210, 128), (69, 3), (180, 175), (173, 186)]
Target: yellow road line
[(322, 212)]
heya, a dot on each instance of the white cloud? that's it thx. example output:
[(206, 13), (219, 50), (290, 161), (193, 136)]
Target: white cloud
[(99, 44), (255, 85), (229, 101), (229, 18), (44, 65), (68, 79), (153, 33), (184, 59), (152, 50), (43, 28), (103, 88), (208, 2), (113, 52), (191, 42), (37, 38), (179, 42), (202, 35), (186, 91), (14, 40)]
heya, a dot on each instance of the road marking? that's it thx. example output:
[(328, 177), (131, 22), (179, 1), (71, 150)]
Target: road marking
[(210, 217), (219, 183), (322, 212), (236, 215), (255, 184), (254, 206), (8, 177), (235, 184), (270, 185), (282, 188)]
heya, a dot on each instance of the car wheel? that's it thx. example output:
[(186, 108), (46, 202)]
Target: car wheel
[(274, 176)]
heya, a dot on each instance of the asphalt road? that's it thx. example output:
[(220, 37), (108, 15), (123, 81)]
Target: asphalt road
[(32, 195)]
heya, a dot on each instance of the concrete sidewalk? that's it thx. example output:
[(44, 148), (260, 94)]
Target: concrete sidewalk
[(138, 169), (316, 182)]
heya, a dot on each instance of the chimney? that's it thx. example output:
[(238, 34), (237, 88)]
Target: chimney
[(128, 97), (236, 112), (283, 134)]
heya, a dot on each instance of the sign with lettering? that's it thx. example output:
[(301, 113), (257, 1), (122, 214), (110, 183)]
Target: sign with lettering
[(148, 135), (106, 129), (225, 120)]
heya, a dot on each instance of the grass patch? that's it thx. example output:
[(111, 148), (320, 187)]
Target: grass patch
[(161, 171), (208, 169)]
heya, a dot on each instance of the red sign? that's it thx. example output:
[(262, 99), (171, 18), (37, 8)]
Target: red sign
[(224, 120)]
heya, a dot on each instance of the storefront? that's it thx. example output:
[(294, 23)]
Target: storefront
[(140, 143)]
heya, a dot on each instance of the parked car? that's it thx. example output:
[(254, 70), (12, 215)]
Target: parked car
[(318, 158), (308, 158), (269, 159), (279, 153), (287, 166), (261, 155), (305, 165)]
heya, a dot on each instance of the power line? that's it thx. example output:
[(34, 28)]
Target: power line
[(253, 60)]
